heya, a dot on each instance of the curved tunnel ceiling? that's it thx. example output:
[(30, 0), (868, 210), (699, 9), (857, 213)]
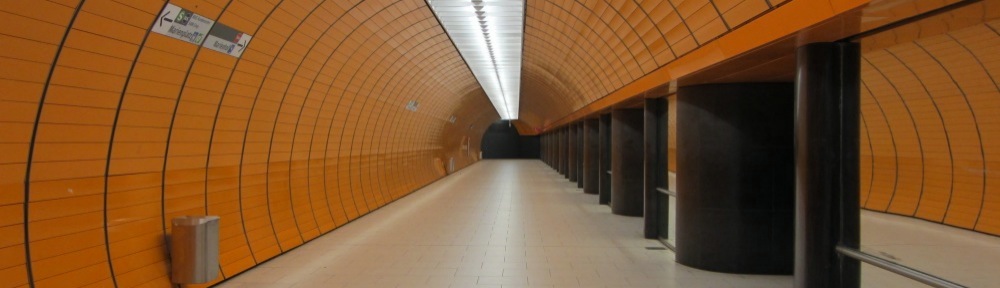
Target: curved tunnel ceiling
[(577, 51)]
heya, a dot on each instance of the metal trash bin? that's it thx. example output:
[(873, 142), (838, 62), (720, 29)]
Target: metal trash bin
[(194, 249)]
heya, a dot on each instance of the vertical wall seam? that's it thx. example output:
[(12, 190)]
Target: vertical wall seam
[(916, 130), (658, 30), (246, 132), (871, 151), (340, 199), (686, 26), (277, 116), (111, 145), (211, 139), (350, 155), (717, 12), (632, 29), (944, 128), (892, 137), (975, 123), (309, 90), (982, 200), (31, 144), (594, 32), (329, 133), (369, 96)]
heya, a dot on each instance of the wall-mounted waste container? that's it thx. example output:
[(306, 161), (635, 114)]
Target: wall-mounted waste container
[(194, 249)]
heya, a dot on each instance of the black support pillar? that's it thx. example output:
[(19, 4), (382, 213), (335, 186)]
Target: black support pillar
[(654, 163), (564, 151), (572, 172), (826, 166), (561, 151), (604, 167), (579, 154), (591, 156), (736, 177), (550, 154), (626, 162), (545, 149), (541, 156), (554, 150), (554, 138)]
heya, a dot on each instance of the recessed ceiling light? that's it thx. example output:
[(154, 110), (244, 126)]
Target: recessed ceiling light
[(489, 35)]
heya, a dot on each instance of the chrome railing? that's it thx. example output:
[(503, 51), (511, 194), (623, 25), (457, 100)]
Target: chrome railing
[(665, 191), (897, 268)]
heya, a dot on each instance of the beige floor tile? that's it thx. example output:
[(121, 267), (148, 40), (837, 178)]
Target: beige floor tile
[(517, 223)]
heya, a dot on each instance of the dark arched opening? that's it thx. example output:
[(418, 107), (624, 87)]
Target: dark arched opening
[(502, 141)]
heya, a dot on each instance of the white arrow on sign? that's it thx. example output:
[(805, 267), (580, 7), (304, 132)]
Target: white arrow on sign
[(162, 28)]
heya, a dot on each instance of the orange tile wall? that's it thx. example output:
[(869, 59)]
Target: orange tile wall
[(929, 130), (109, 131)]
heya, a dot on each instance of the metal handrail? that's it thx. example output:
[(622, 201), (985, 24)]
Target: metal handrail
[(665, 191), (897, 268)]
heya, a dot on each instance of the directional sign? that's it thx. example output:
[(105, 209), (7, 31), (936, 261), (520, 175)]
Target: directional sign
[(176, 22), (227, 40)]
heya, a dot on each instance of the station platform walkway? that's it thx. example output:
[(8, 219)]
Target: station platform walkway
[(516, 223)]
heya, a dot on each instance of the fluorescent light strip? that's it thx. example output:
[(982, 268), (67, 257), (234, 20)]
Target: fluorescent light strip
[(489, 35)]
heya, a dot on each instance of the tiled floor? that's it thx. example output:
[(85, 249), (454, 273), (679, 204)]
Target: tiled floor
[(517, 223), (510, 223)]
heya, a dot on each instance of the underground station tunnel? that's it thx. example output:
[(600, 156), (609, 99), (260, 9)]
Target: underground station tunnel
[(499, 143)]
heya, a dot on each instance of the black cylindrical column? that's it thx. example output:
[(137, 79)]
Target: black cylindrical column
[(579, 154), (571, 129), (545, 149), (554, 149), (826, 166), (591, 154), (549, 152), (561, 151), (736, 177), (565, 151), (541, 155), (626, 162), (653, 145), (604, 166), (547, 144)]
